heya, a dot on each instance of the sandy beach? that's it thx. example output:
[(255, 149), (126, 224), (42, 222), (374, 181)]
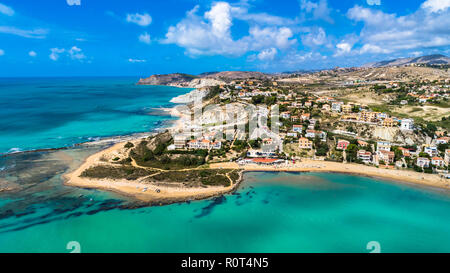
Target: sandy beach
[(432, 180)]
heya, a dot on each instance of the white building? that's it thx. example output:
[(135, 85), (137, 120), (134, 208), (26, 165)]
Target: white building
[(407, 125), (437, 161), (430, 150), (336, 106), (423, 162), (365, 156), (383, 146)]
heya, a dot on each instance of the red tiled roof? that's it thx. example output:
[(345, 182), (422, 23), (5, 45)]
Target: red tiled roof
[(264, 160)]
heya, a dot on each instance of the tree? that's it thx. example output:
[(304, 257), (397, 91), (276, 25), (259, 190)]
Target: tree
[(352, 151)]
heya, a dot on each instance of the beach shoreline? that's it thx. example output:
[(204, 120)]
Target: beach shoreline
[(312, 166)]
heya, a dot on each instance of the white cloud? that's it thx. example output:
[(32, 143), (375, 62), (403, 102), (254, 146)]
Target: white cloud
[(343, 48), (4, 9), (35, 33), (74, 2), (136, 61), (319, 10), (374, 2), (2, 52), (368, 48), (55, 52), (73, 53), (32, 53), (316, 37), (387, 33), (436, 5), (267, 54), (270, 36), (210, 34), (139, 19), (145, 38), (76, 53)]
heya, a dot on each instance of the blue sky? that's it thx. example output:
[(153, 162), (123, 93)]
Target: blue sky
[(139, 38)]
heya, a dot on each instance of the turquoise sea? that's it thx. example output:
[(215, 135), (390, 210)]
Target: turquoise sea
[(270, 212), (39, 113)]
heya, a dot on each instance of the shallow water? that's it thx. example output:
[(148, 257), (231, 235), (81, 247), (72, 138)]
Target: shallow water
[(271, 212)]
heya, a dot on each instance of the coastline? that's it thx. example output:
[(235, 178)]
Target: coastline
[(147, 192), (401, 176)]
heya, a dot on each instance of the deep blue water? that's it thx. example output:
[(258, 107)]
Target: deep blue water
[(39, 113)]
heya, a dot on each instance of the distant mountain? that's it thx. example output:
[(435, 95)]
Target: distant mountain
[(430, 59)]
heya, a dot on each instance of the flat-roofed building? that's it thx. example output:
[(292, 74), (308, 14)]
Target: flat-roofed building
[(304, 143)]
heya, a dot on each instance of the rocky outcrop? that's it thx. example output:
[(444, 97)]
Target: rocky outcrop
[(191, 96), (202, 80), (177, 79)]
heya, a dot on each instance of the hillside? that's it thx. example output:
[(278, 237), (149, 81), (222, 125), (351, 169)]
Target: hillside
[(436, 59), (168, 79)]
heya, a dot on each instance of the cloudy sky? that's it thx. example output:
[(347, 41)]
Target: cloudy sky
[(116, 37)]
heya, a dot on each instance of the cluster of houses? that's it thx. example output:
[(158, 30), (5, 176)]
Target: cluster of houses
[(385, 154), (206, 142), (305, 127)]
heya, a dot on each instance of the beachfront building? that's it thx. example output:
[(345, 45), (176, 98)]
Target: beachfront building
[(437, 161), (342, 145), (364, 156), (430, 150), (423, 162), (179, 141), (407, 125), (405, 152), (204, 144), (386, 156), (304, 143), (253, 153), (447, 157), (383, 146)]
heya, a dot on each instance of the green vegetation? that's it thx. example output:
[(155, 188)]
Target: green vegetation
[(208, 177), (129, 145), (162, 159), (124, 172)]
